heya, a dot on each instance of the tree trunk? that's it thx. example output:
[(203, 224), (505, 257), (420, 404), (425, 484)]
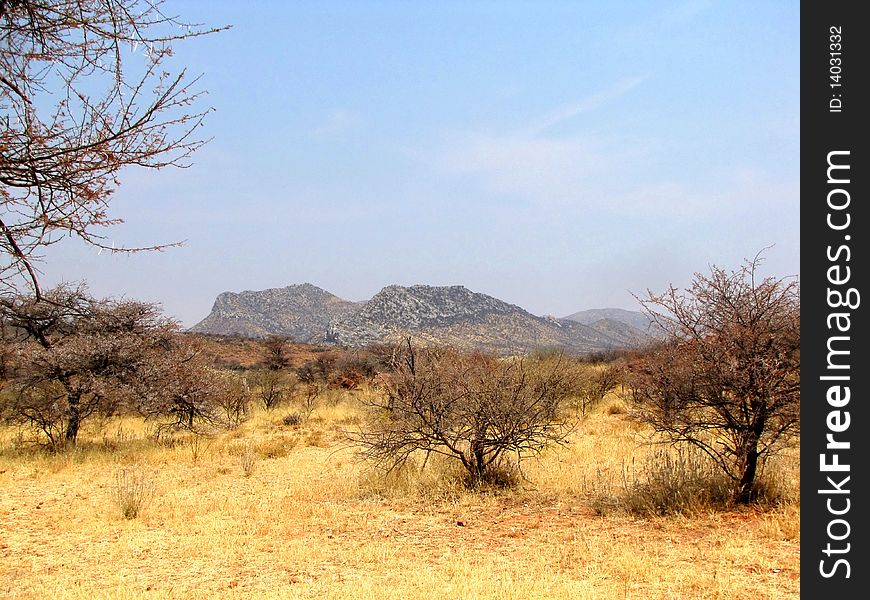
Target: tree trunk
[(748, 467), (73, 419), (477, 459)]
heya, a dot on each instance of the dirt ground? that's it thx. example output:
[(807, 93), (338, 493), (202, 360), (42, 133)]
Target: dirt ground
[(311, 521)]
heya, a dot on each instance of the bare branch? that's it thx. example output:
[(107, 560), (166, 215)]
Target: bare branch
[(62, 147), (726, 378)]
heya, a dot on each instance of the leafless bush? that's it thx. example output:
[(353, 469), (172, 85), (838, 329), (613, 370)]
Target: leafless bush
[(178, 383), (308, 398), (474, 408), (318, 370), (277, 357), (352, 368), (234, 400), (273, 387), (198, 445)]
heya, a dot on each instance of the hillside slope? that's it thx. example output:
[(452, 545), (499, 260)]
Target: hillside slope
[(449, 315)]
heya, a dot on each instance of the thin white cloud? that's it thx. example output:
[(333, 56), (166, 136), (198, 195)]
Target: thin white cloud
[(587, 104), (337, 123), (531, 162), (585, 174), (545, 171), (596, 174)]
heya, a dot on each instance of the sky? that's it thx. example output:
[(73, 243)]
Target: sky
[(556, 155)]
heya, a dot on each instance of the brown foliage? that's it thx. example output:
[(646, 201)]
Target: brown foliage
[(74, 356), (276, 350), (70, 357), (726, 378)]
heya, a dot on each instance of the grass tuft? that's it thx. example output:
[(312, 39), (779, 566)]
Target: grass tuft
[(132, 491)]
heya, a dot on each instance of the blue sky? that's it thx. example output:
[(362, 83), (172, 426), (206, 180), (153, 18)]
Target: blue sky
[(556, 155)]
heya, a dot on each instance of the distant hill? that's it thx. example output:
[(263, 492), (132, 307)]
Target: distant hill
[(303, 312), (451, 315), (634, 318)]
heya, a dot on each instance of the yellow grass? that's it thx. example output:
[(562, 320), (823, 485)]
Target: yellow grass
[(310, 521)]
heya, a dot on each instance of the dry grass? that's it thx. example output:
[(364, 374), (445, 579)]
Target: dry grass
[(310, 521), (132, 491)]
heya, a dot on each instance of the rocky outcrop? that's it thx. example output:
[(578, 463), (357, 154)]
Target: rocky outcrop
[(449, 315), (303, 312)]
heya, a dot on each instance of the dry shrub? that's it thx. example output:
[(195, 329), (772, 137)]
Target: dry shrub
[(782, 524), (234, 401), (165, 437), (309, 399), (248, 460), (686, 481), (276, 349), (617, 408), (683, 481), (69, 358), (115, 442), (317, 438), (592, 383), (198, 446), (132, 491), (504, 474), (273, 387), (293, 419), (434, 480), (475, 409), (276, 447)]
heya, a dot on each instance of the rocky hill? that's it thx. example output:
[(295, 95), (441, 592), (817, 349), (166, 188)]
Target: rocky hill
[(451, 315), (633, 318), (303, 312)]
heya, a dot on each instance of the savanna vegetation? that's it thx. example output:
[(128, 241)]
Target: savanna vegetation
[(136, 459)]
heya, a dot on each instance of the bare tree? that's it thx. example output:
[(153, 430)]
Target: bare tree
[(273, 387), (69, 357), (85, 91), (475, 408), (176, 381), (726, 377), (276, 347), (73, 357)]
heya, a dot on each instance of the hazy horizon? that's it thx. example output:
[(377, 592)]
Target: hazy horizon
[(556, 156)]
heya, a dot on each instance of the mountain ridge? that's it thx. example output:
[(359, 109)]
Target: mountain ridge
[(451, 315)]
